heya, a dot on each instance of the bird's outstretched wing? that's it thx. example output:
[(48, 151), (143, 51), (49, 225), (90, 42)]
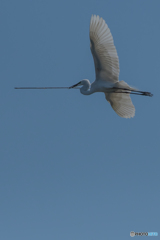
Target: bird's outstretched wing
[(121, 103), (103, 50)]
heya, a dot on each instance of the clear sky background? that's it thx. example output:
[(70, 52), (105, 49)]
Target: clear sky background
[(70, 167)]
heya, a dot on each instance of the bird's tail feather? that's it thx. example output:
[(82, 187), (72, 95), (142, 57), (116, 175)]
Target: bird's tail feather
[(121, 102)]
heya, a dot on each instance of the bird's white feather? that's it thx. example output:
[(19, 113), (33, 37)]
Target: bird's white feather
[(103, 50), (121, 103)]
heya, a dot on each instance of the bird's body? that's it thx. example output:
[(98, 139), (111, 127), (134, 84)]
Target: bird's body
[(89, 88), (106, 62)]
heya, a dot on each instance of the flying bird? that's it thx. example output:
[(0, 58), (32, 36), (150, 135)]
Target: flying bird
[(106, 62)]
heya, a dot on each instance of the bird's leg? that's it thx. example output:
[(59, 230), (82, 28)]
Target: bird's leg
[(133, 92)]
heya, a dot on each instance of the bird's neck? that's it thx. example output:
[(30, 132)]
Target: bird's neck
[(86, 89), (85, 92)]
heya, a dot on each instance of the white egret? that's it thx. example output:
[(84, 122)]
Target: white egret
[(106, 62)]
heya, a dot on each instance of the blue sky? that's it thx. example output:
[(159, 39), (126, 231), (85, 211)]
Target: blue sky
[(70, 168)]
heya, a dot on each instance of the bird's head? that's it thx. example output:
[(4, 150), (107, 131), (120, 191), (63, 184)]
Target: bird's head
[(84, 82)]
